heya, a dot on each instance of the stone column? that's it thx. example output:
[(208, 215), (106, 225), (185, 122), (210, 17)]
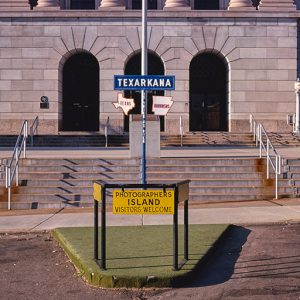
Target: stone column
[(112, 4), (48, 4), (240, 5), (177, 4), (277, 5)]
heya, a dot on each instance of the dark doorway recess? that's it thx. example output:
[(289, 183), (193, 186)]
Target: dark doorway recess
[(208, 93), (133, 67), (82, 4), (81, 93)]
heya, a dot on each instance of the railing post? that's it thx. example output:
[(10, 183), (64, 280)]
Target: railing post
[(25, 137), (8, 184), (17, 166), (276, 177), (260, 141), (268, 167)]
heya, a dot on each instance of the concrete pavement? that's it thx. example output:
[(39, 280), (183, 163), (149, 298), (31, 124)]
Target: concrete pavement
[(260, 212)]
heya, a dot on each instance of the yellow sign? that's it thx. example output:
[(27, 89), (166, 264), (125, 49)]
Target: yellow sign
[(137, 202), (183, 192), (97, 191)]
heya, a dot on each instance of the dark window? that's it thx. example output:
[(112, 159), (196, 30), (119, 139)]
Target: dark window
[(206, 4), (137, 4), (82, 4)]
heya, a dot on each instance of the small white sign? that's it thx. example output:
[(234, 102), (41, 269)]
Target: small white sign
[(162, 105), (126, 104)]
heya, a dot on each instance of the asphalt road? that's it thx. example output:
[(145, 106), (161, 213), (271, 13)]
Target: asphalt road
[(255, 262)]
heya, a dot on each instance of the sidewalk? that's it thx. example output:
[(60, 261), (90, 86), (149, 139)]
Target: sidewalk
[(260, 212)]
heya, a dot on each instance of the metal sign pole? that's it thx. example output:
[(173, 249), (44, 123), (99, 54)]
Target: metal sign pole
[(144, 92)]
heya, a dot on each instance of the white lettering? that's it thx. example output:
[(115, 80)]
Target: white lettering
[(168, 83), (143, 82), (125, 81), (155, 83)]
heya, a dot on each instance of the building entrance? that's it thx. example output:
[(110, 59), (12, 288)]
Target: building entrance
[(208, 93), (133, 67), (81, 93)]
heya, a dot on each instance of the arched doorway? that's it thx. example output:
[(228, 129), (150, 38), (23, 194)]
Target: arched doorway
[(208, 93), (81, 93), (133, 67)]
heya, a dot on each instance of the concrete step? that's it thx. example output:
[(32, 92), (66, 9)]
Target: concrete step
[(207, 168), (205, 161), (193, 189), (67, 175), (199, 175), (80, 162), (79, 168)]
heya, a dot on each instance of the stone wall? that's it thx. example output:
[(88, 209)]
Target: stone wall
[(261, 52)]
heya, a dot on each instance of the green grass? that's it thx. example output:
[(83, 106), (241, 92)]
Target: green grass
[(138, 255)]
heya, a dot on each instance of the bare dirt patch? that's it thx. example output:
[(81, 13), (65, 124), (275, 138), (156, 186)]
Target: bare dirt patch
[(255, 262)]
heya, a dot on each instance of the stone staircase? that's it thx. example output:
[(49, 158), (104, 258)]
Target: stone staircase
[(284, 139), (95, 140), (198, 139), (208, 139), (292, 174), (56, 183)]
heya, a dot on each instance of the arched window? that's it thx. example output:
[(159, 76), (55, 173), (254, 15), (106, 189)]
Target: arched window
[(81, 93), (133, 67), (208, 93)]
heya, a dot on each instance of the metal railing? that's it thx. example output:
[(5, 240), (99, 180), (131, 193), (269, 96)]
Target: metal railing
[(181, 130), (34, 129), (262, 140), (106, 132), (12, 168)]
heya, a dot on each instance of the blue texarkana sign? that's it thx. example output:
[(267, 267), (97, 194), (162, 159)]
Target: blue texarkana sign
[(147, 82)]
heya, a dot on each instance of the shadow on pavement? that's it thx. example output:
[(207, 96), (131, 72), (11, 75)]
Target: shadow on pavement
[(219, 267)]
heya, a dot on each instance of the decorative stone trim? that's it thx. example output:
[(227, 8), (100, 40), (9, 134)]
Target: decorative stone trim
[(177, 4), (112, 4), (277, 5), (240, 5), (48, 3)]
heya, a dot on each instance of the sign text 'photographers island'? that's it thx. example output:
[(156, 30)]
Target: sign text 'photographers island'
[(144, 82), (143, 202)]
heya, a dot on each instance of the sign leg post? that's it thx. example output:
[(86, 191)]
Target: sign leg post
[(175, 231), (186, 230), (103, 230), (96, 239)]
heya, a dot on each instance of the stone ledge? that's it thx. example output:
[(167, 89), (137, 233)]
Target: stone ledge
[(178, 14)]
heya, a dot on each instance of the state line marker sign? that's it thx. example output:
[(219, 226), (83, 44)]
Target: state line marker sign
[(130, 202)]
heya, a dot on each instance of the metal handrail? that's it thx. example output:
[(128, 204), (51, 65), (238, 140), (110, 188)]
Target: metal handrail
[(12, 169), (34, 129), (260, 135), (106, 132), (181, 130)]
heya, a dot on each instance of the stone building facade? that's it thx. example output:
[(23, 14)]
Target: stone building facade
[(247, 56)]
